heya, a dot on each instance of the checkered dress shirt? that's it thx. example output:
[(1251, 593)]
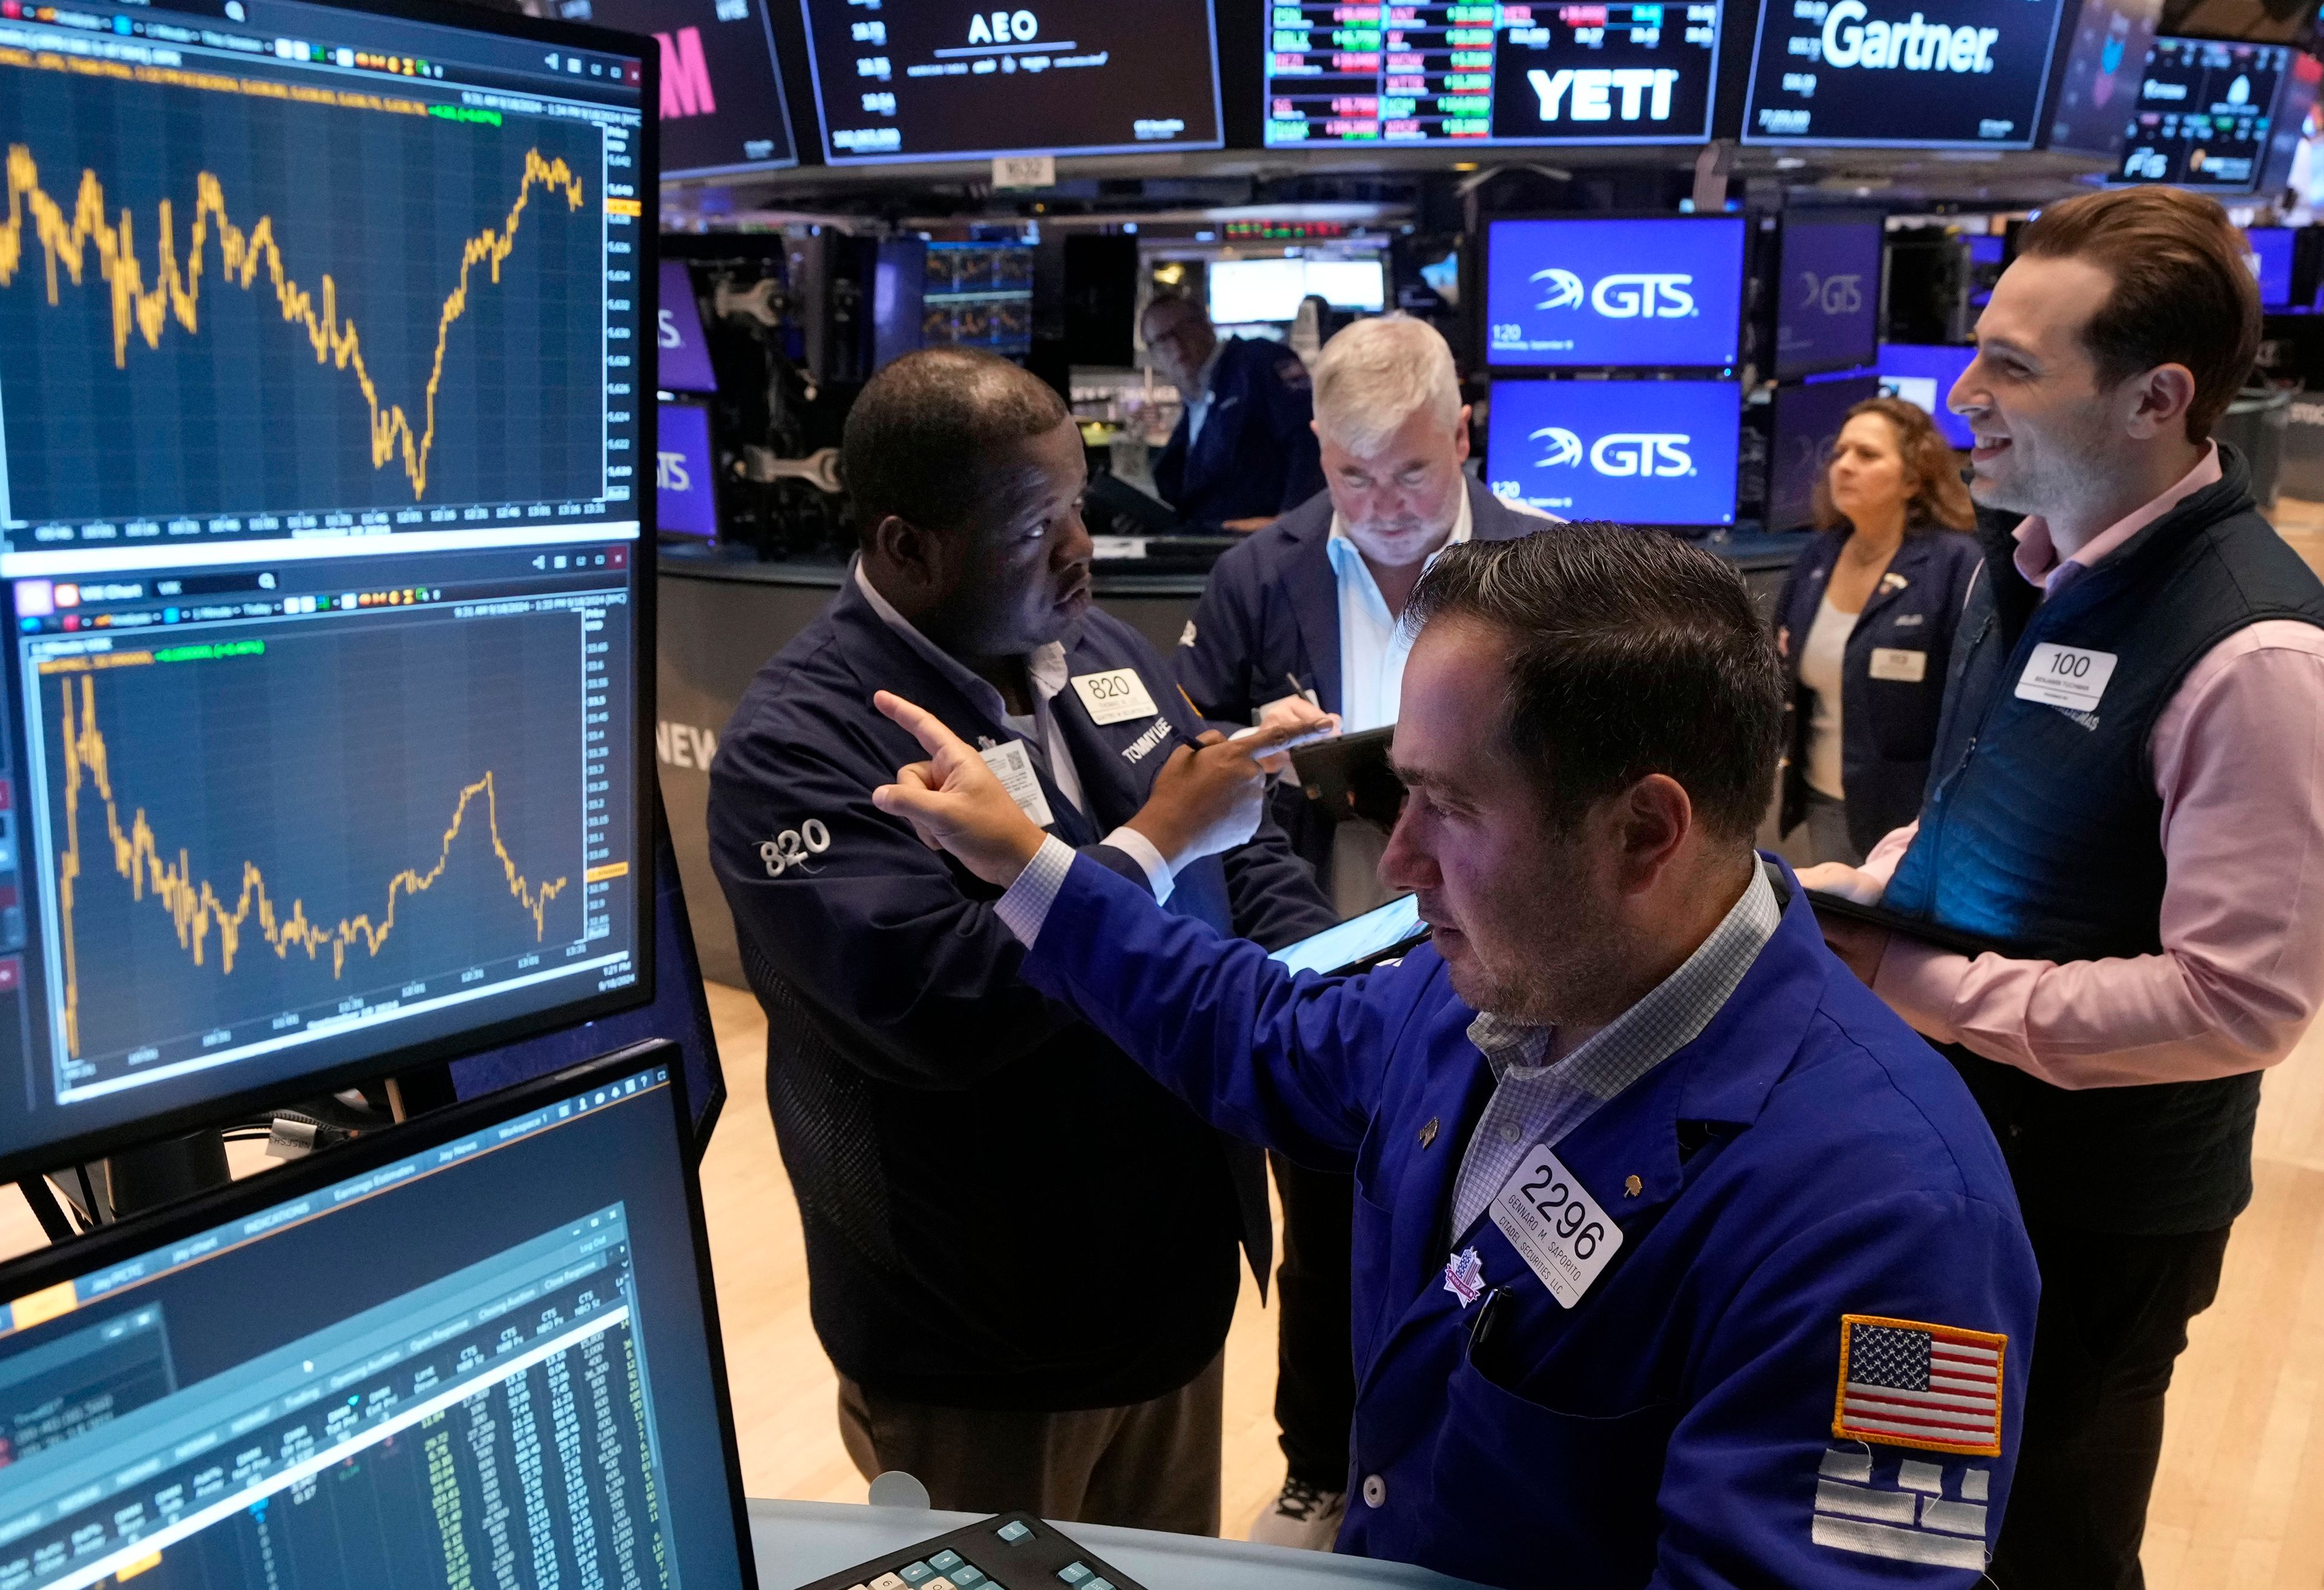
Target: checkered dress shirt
[(1533, 1103)]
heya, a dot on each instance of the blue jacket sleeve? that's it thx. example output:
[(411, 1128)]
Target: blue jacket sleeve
[(1293, 1063), (1757, 1490)]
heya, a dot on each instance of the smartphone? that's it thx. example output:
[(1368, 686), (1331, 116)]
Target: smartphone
[(1360, 940)]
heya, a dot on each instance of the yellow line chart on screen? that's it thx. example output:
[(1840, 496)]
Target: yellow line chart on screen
[(194, 906), (175, 294)]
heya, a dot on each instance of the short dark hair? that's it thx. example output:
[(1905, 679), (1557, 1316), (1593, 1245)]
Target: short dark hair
[(1631, 652), (2182, 294), (916, 441)]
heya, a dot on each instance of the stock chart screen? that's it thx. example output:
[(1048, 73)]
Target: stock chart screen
[(518, 1382), (2203, 114), (1939, 73), (1637, 452), (1456, 73), (320, 432), (723, 112), (1637, 292), (948, 81)]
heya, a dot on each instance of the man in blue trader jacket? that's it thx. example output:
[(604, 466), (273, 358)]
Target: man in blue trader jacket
[(1020, 1251), (1679, 1260), (1243, 450)]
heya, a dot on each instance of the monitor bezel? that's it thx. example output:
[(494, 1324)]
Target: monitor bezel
[(1689, 530), (1483, 252), (219, 1109), (63, 1261)]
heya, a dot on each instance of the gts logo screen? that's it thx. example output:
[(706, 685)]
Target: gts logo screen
[(1643, 292), (1637, 452)]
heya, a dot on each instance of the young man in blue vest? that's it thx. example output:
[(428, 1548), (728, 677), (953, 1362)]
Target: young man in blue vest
[(1680, 1262), (2125, 804), (1299, 621)]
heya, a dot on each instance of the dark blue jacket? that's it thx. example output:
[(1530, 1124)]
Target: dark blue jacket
[(1805, 1159), (1886, 726), (1000, 1210), (1257, 456)]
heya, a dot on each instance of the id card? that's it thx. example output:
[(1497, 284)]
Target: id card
[(1894, 662), (1115, 696), (1556, 1225), (2065, 676), (1012, 764)]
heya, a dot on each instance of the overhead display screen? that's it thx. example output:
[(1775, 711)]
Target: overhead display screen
[(2203, 114), (721, 99), (1429, 73), (1923, 374), (1936, 73), (1245, 292), (1636, 452), (1808, 421), (947, 81), (1585, 293), (1827, 316), (2104, 56)]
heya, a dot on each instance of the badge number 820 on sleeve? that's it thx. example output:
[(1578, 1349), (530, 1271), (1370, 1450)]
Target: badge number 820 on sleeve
[(792, 846)]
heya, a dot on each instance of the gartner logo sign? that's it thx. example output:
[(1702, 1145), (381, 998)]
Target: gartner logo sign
[(1640, 452), (1891, 71), (1614, 293)]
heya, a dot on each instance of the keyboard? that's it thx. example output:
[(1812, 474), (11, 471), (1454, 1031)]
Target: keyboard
[(1008, 1551)]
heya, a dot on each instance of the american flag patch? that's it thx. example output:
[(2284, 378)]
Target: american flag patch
[(1904, 1383)]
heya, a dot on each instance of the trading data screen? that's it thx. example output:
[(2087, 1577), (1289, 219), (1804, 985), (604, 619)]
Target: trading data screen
[(1636, 293), (948, 81), (485, 1360), (1936, 72), (1637, 452), (723, 111), (2203, 114), (321, 426), (1449, 73)]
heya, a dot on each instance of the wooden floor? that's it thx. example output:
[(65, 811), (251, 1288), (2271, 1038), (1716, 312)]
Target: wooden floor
[(2240, 1505)]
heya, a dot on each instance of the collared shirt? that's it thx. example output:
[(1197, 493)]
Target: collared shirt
[(1198, 408), (1046, 672), (1373, 646), (1534, 1102), (2238, 760)]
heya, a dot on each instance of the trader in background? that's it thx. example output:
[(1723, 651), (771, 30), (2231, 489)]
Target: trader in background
[(1680, 1262), (1243, 450), (1302, 620), (2126, 803), (1021, 1250)]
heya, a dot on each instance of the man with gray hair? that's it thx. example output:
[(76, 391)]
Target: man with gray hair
[(1300, 620)]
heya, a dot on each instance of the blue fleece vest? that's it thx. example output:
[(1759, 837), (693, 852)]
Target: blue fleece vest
[(2040, 832)]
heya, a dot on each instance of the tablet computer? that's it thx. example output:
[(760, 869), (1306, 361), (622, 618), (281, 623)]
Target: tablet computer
[(1360, 941), (1348, 775), (1880, 916)]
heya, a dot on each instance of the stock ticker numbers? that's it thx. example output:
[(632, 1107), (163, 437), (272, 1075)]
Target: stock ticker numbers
[(1613, 73), (207, 314)]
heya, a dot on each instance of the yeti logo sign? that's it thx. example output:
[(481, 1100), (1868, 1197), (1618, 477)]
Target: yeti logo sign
[(1624, 296), (1597, 94), (1623, 455), (1837, 295)]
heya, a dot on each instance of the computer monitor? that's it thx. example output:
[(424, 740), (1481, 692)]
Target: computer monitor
[(1828, 308), (1246, 292), (2272, 258), (686, 486), (1637, 452), (1631, 71), (326, 664), (1633, 293), (1076, 76), (682, 350), (1923, 374), (1807, 420), (1936, 74), (2204, 112), (978, 294), (723, 110), (479, 1349), (2101, 60)]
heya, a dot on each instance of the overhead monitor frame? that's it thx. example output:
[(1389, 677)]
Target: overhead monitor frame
[(1508, 359), (1844, 16)]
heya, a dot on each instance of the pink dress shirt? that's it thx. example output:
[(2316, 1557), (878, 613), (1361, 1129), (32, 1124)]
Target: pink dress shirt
[(2238, 760)]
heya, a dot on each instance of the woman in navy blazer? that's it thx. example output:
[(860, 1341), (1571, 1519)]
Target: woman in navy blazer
[(1866, 625)]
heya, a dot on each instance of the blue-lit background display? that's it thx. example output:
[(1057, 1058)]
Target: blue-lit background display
[(1922, 375), (1637, 452), (1934, 72), (2203, 114), (1808, 420), (1613, 292), (685, 500), (1827, 314), (2271, 248)]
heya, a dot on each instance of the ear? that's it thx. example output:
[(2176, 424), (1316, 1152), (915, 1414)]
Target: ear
[(2156, 403), (1461, 435), (907, 551), (1652, 819)]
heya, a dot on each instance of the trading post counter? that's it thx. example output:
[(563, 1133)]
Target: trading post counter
[(799, 1543), (720, 620)]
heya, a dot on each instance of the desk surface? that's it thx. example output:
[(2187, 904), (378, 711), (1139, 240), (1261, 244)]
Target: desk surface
[(797, 1542)]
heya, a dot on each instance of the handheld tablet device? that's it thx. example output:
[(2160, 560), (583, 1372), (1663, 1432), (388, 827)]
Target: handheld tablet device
[(1349, 775), (1880, 916), (1359, 941)]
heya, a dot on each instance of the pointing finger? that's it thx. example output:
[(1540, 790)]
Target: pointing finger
[(922, 725)]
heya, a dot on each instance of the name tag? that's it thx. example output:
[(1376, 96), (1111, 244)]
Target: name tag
[(1894, 662), (1115, 696), (1012, 764), (2065, 676), (1556, 1225)]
